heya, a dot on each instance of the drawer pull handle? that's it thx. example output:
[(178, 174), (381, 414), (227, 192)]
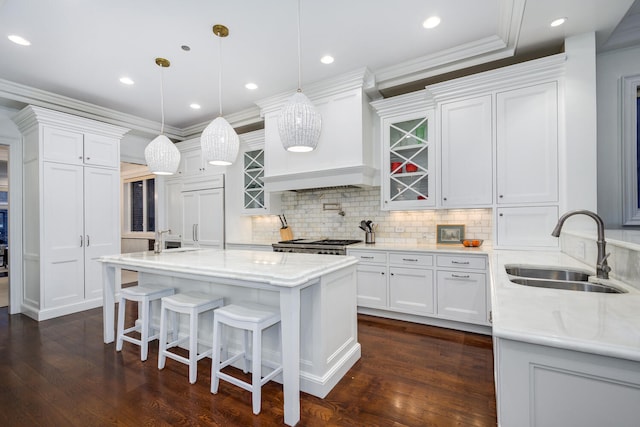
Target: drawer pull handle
[(366, 257), (459, 276), (410, 259), (460, 262)]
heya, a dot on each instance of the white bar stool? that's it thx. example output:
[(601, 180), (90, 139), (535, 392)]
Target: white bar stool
[(193, 304), (144, 295), (250, 317)]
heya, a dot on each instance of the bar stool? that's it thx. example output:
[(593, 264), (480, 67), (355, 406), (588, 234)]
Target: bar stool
[(192, 304), (144, 295), (252, 318)]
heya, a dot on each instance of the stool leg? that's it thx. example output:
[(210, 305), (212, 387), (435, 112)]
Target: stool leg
[(144, 333), (162, 339), (256, 374), (193, 348), (215, 357), (120, 331), (246, 351)]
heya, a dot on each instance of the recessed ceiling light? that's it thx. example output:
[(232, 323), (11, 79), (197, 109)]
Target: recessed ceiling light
[(558, 22), (19, 40), (327, 59), (185, 48), (126, 81), (431, 22), (195, 106), (251, 86)]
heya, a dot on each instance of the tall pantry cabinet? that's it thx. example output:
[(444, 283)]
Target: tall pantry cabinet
[(71, 169)]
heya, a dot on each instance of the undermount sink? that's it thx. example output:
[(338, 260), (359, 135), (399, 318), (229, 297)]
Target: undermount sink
[(570, 279), (539, 272), (568, 285)]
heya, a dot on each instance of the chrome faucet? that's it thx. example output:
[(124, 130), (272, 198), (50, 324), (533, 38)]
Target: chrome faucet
[(602, 267), (159, 244)]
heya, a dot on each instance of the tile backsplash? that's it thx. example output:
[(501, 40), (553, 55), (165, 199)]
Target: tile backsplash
[(337, 213)]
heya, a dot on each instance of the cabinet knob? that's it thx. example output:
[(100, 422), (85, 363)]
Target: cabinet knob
[(445, 199), (501, 196), (80, 157), (382, 272), (501, 215), (88, 158)]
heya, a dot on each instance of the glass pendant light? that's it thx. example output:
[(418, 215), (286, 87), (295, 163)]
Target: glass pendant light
[(299, 122), (161, 154), (219, 142)]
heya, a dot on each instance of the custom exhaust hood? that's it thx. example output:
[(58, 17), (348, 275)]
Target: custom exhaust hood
[(346, 155)]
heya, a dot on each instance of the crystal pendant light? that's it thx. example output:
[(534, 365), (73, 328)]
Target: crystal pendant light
[(161, 154), (219, 142), (299, 122)]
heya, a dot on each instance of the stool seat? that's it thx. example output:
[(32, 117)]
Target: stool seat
[(145, 295), (192, 304), (252, 318)]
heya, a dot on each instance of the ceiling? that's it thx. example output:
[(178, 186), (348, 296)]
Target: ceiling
[(80, 49)]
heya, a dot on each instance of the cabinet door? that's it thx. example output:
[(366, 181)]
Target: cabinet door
[(408, 162), (372, 286), (191, 163), (63, 234), (526, 227), (190, 216), (101, 151), (462, 296), (467, 156), (63, 146), (101, 224), (253, 184), (411, 289), (527, 144), (210, 229), (173, 208)]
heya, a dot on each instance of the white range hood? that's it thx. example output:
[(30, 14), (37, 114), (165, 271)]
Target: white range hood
[(346, 154)]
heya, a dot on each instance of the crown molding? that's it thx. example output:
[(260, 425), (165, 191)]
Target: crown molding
[(403, 103), (254, 140), (537, 70)]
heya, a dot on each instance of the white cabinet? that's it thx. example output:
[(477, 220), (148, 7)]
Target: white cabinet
[(443, 287), (255, 200), (538, 385), (203, 216), (529, 226), (527, 144), (72, 209), (408, 165), (192, 164), (466, 168), (173, 209)]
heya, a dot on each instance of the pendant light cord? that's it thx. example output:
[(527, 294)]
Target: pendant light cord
[(220, 73), (161, 100), (299, 53)]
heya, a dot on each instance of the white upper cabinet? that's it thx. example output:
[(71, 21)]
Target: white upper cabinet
[(527, 144), (80, 148), (256, 200), (466, 168)]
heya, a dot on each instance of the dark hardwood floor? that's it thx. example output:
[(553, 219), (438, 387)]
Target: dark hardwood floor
[(60, 373)]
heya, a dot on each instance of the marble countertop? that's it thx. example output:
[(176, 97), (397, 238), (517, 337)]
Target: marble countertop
[(274, 268), (423, 247), (605, 324)]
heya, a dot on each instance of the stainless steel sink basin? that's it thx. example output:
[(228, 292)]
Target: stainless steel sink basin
[(568, 285), (539, 272)]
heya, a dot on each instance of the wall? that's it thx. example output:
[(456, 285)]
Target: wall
[(611, 66), (307, 219)]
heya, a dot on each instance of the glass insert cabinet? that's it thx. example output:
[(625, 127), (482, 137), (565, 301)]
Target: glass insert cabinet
[(408, 174), (253, 184)]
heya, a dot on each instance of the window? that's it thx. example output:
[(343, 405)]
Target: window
[(139, 205)]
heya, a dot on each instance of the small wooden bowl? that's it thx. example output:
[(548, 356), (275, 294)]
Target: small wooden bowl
[(471, 243)]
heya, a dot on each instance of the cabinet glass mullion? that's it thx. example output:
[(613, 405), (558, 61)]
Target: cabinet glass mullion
[(253, 183)]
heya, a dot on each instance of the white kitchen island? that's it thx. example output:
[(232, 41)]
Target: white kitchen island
[(316, 295)]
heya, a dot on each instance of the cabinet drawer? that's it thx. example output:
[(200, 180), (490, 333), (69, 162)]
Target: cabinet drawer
[(462, 261), (408, 258), (372, 257), (462, 296)]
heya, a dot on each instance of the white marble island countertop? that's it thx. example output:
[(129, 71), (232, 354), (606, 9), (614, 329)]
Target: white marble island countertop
[(597, 323), (274, 268)]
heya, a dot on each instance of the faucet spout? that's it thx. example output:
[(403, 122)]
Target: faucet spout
[(159, 244), (602, 267)]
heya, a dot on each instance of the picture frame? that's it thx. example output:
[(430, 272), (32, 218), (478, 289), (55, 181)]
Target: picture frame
[(449, 233)]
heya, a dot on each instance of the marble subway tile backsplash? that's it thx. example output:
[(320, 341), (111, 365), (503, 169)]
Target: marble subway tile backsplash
[(318, 213)]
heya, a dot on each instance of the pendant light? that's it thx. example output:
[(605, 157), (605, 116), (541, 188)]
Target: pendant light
[(161, 154), (219, 142), (299, 122)]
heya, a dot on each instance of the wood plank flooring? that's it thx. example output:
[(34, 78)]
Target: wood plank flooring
[(60, 373)]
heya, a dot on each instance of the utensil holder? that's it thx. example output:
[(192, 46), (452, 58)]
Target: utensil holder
[(369, 237), (286, 234)]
